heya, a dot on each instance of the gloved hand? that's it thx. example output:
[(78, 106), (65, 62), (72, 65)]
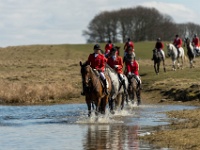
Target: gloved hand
[(129, 74), (116, 66)]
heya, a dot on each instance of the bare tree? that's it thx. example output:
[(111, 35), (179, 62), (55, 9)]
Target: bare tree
[(138, 23)]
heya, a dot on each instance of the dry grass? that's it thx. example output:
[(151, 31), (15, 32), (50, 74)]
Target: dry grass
[(38, 74)]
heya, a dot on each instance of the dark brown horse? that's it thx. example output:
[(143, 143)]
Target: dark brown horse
[(94, 90), (134, 90), (157, 58)]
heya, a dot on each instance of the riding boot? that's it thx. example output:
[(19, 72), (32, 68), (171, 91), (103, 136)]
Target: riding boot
[(138, 82), (178, 52), (105, 86), (124, 86)]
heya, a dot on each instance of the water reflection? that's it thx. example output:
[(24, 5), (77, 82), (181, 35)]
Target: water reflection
[(116, 137), (68, 127)]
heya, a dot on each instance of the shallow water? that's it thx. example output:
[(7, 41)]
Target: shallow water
[(67, 127)]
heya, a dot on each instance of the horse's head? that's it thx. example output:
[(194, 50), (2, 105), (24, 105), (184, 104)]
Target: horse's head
[(169, 49), (85, 73)]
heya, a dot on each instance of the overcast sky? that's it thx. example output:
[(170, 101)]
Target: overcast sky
[(25, 22)]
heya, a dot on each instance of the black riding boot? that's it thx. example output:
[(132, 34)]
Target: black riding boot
[(138, 83), (178, 52), (124, 86), (105, 86)]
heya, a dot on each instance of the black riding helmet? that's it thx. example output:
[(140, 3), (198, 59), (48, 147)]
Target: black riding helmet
[(97, 47)]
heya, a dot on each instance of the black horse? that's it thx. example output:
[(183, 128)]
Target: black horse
[(190, 51), (157, 58)]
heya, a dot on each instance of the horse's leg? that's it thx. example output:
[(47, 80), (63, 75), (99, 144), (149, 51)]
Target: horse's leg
[(138, 92), (164, 65), (104, 102), (119, 101), (122, 101), (155, 68), (112, 106), (88, 102), (173, 65), (158, 67), (98, 103)]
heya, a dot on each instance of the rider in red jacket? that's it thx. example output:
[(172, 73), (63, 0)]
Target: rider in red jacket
[(97, 61), (115, 61), (108, 47), (195, 43), (159, 47), (178, 43), (127, 45), (133, 70)]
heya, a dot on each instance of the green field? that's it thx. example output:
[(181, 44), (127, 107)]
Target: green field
[(42, 74)]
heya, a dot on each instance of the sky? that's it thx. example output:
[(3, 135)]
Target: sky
[(29, 22)]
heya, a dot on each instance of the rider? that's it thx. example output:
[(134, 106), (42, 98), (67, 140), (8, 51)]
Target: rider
[(195, 43), (159, 47), (115, 62), (108, 47), (97, 61), (177, 43), (133, 71), (127, 45)]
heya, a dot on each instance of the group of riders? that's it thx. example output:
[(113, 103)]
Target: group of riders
[(111, 56), (178, 43)]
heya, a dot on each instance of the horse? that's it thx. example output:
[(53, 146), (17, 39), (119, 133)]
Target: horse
[(94, 92), (173, 53), (134, 90), (117, 95), (190, 51), (157, 58)]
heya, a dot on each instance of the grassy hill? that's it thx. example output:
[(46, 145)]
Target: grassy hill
[(51, 74)]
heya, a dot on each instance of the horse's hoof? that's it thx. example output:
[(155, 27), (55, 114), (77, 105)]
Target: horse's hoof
[(112, 112)]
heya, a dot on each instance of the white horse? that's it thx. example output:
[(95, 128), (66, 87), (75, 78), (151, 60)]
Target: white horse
[(173, 53), (117, 94)]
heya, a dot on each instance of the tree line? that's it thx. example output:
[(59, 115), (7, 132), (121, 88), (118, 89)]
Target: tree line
[(138, 24)]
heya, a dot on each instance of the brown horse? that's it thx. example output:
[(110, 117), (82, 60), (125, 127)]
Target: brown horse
[(94, 90), (134, 90)]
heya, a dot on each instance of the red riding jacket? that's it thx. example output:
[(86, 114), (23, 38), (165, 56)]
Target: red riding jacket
[(159, 45), (195, 41), (177, 42), (108, 47), (97, 62), (117, 61), (128, 44), (133, 67)]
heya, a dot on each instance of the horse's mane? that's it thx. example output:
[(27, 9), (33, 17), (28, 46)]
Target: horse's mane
[(111, 69)]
